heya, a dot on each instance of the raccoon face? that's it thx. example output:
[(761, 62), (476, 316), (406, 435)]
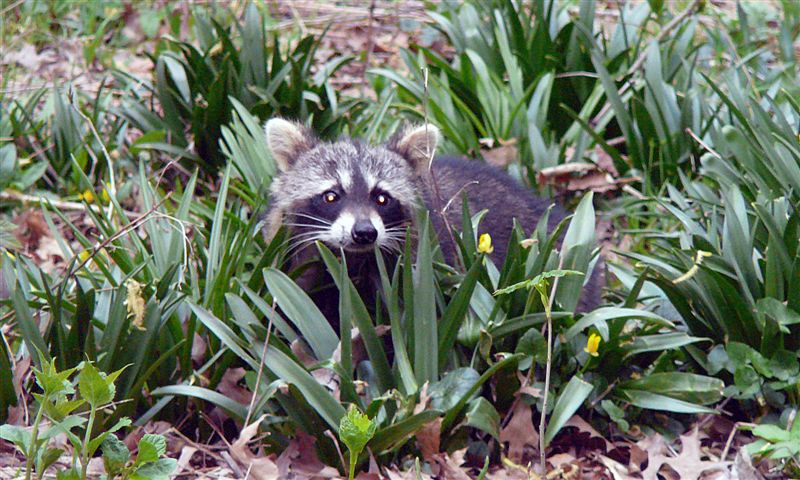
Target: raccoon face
[(346, 194)]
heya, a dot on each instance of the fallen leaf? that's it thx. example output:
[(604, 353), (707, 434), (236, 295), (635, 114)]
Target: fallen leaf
[(583, 426), (229, 386), (519, 432), (187, 452), (618, 470), (31, 228), (501, 156), (258, 467), (198, 349), (743, 466), (449, 468), (428, 439), (300, 458), (29, 59), (688, 464), (559, 460)]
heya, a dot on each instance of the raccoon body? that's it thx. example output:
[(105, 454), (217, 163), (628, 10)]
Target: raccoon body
[(357, 197)]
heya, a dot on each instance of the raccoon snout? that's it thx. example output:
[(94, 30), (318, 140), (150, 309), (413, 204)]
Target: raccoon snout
[(364, 232)]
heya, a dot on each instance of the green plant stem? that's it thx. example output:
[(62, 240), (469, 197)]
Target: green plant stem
[(353, 459), (32, 448), (85, 447), (549, 318)]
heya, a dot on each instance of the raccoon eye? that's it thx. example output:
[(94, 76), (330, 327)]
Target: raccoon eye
[(382, 199), (330, 196)]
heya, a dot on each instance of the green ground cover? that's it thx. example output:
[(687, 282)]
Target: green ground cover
[(137, 290)]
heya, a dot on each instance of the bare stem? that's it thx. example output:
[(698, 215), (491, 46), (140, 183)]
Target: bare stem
[(542, 424), (260, 369)]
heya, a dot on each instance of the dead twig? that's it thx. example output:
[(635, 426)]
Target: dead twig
[(23, 198)]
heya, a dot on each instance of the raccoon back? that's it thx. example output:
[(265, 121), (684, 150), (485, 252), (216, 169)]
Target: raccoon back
[(489, 188)]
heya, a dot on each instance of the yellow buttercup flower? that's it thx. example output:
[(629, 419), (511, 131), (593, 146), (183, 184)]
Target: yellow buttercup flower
[(87, 195), (592, 344), (104, 194), (485, 244)]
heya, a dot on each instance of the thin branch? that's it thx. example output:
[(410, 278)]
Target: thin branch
[(260, 368), (12, 196)]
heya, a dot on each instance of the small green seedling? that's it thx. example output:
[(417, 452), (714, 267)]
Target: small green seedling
[(778, 444), (148, 463), (59, 403), (355, 430)]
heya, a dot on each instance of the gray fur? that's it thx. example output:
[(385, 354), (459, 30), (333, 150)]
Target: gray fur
[(403, 168)]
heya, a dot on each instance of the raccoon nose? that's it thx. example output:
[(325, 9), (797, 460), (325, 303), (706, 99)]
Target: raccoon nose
[(364, 232)]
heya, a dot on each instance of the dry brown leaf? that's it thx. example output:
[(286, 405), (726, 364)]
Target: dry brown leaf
[(424, 398), (501, 156), (743, 466), (300, 458), (187, 452), (135, 303), (449, 468), (511, 474), (323, 376), (559, 460), (618, 470), (595, 181), (29, 59), (198, 349), (687, 465), (229, 386), (428, 439), (258, 468), (395, 474), (519, 432), (368, 476), (31, 227), (583, 426), (357, 348), (604, 161), (301, 352)]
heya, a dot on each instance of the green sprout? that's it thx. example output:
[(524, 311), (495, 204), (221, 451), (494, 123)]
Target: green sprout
[(355, 430)]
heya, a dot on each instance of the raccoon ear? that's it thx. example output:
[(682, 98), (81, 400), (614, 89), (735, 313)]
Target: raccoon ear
[(417, 145), (287, 141)]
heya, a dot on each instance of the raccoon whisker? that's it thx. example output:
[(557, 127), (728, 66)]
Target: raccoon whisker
[(309, 235), (391, 247), (312, 217), (399, 224), (301, 244), (394, 235), (306, 225), (399, 232)]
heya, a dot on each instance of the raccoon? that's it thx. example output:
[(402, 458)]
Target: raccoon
[(357, 197)]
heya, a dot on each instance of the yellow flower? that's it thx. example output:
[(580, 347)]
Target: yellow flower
[(485, 244), (104, 194), (83, 255), (87, 195), (592, 344)]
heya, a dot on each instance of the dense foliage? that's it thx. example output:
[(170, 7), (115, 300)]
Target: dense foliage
[(150, 190)]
